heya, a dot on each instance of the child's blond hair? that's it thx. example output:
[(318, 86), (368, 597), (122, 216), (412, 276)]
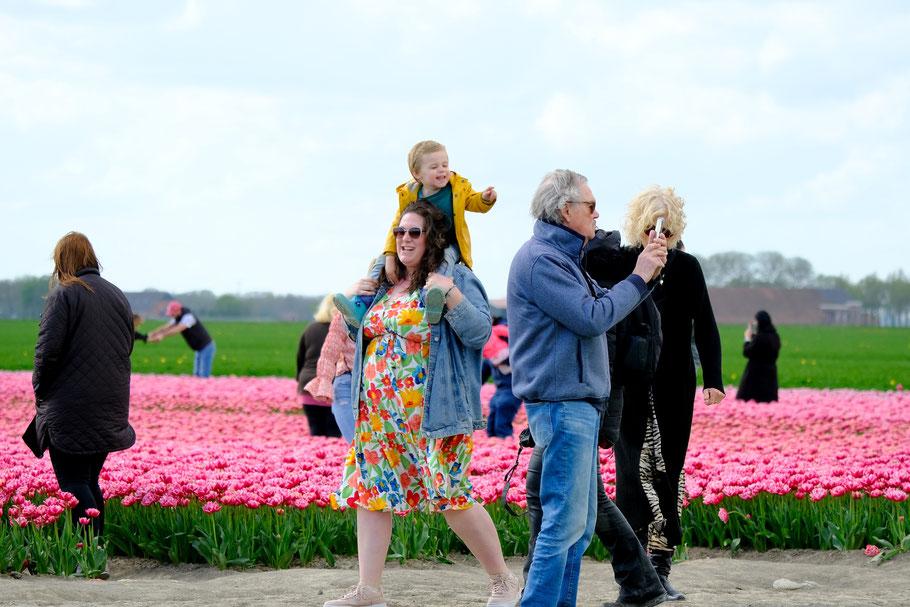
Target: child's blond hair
[(419, 149)]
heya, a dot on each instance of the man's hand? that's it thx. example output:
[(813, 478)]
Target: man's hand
[(489, 194), (653, 258), (713, 396)]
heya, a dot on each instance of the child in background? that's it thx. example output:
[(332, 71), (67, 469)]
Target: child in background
[(447, 191), (137, 321), (503, 404), (332, 383)]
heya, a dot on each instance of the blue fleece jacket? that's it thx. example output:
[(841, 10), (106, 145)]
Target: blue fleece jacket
[(558, 318)]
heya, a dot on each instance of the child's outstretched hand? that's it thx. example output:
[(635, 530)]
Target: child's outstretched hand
[(489, 194)]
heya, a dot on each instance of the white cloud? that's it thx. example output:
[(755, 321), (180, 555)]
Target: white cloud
[(189, 18), (71, 4), (562, 121), (38, 50), (296, 139)]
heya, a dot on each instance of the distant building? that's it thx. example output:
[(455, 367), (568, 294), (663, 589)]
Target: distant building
[(736, 305)]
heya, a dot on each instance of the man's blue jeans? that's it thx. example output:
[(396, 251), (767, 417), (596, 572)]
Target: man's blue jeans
[(202, 360), (566, 432), (632, 570)]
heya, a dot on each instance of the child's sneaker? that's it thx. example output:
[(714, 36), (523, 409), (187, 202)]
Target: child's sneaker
[(506, 592), (351, 309), (360, 595), (434, 301)]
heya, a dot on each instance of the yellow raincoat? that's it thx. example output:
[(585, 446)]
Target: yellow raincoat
[(464, 198)]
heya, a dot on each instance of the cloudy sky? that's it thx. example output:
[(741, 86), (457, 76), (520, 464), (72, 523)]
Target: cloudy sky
[(241, 146)]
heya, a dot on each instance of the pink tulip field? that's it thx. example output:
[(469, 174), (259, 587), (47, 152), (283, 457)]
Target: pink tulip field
[(225, 471)]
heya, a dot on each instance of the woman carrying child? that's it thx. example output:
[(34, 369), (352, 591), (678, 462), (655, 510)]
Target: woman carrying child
[(417, 402)]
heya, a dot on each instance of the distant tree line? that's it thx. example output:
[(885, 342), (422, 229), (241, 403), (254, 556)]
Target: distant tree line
[(24, 298), (888, 299)]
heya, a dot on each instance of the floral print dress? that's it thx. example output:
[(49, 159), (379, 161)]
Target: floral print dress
[(392, 466)]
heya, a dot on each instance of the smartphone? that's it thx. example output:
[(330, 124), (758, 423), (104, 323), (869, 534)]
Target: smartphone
[(659, 227)]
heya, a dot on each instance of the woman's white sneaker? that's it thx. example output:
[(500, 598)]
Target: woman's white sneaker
[(360, 595), (506, 592)]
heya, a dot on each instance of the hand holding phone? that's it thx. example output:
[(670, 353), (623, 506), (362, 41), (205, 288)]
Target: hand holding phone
[(658, 228)]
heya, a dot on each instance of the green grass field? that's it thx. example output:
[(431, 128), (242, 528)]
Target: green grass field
[(817, 357), (829, 357), (243, 348)]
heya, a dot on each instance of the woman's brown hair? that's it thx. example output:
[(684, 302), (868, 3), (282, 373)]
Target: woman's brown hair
[(71, 254), (436, 225)]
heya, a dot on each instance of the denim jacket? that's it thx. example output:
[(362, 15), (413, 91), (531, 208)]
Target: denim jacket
[(451, 402)]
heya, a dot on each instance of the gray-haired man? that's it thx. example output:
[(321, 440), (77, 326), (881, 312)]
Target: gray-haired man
[(560, 369)]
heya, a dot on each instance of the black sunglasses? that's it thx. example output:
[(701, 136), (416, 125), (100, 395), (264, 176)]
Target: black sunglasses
[(412, 232), (591, 203), (667, 233)]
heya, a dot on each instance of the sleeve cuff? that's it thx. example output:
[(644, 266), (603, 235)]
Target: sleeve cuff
[(639, 283)]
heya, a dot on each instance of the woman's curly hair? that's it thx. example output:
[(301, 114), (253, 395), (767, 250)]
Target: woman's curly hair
[(436, 225), (643, 211)]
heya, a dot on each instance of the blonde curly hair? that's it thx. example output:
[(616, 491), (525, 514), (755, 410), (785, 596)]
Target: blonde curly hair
[(326, 310), (643, 210)]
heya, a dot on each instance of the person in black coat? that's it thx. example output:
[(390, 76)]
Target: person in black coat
[(657, 417), (759, 382), (318, 414), (82, 374)]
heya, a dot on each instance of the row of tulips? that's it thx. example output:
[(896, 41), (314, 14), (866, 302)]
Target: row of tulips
[(224, 471)]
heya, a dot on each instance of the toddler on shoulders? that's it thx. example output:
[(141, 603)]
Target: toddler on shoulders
[(452, 194)]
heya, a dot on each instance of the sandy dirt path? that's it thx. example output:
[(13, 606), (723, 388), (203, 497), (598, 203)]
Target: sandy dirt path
[(709, 578)]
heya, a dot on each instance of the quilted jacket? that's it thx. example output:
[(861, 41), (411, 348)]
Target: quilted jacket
[(82, 368)]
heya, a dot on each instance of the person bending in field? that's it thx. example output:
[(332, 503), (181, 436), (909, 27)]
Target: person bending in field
[(184, 322), (447, 191)]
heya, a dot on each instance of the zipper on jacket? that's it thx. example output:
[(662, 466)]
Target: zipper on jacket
[(578, 359)]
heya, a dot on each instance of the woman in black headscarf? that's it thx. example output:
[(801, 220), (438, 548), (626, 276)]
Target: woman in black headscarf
[(759, 382)]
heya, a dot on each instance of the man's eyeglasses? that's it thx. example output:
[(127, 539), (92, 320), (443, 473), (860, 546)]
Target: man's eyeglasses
[(412, 232), (591, 203)]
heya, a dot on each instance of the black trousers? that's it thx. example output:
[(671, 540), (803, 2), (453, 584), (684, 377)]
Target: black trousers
[(321, 421), (632, 569), (78, 474)]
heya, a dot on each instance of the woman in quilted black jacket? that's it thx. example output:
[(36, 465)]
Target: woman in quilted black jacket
[(82, 374)]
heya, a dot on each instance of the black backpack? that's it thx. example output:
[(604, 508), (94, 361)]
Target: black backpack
[(634, 342), (638, 342)]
